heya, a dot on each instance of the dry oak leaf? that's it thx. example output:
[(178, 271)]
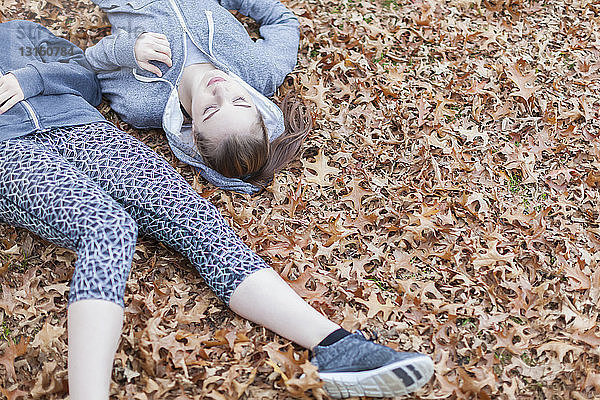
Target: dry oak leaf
[(475, 384), (424, 221), (13, 351), (310, 295), (14, 250), (357, 193), (317, 94), (47, 336), (13, 394), (560, 348), (309, 380), (336, 229), (226, 337), (560, 179), (491, 256), (473, 132), (50, 380), (534, 372), (7, 301), (590, 337), (237, 389), (423, 108), (441, 109), (59, 287), (522, 82), (477, 205), (577, 275), (282, 362), (176, 349), (375, 307), (321, 168), (592, 379), (515, 217)]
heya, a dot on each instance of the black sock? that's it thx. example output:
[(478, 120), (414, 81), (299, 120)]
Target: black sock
[(334, 337)]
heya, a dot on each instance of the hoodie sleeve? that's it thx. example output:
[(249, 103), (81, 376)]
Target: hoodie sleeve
[(279, 29), (61, 67), (114, 51)]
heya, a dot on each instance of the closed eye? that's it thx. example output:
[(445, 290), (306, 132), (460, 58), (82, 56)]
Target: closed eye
[(208, 108), (238, 102)]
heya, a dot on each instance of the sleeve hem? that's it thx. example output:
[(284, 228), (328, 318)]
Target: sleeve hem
[(30, 81), (124, 49)]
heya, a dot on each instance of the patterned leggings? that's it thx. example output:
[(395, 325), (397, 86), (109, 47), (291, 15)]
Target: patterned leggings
[(90, 188)]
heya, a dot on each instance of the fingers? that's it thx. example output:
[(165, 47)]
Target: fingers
[(152, 55), (161, 48), (161, 53), (8, 80), (5, 95), (158, 36), (10, 92), (162, 58), (9, 103), (8, 98), (153, 46), (151, 68)]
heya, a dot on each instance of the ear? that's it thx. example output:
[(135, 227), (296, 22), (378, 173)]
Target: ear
[(194, 134)]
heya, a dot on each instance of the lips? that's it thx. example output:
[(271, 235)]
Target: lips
[(215, 80)]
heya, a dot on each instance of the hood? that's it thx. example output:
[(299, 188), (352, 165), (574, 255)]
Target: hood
[(182, 143), (180, 136)]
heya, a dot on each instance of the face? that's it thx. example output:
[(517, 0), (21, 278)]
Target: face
[(221, 106)]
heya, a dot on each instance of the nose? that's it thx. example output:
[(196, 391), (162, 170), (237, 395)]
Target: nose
[(219, 91), (223, 93)]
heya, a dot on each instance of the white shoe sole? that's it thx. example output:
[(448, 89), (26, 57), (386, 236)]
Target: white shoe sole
[(380, 382)]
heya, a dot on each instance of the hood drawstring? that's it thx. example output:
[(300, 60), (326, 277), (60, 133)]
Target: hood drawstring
[(211, 35), (211, 32), (146, 79)]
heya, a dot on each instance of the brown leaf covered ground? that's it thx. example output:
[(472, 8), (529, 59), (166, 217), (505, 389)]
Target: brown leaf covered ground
[(448, 200)]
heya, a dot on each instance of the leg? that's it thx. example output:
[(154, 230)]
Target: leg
[(166, 207), (42, 192), (94, 329), (265, 298)]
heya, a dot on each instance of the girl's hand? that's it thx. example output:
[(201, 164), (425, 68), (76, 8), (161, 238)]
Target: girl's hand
[(152, 47), (10, 92)]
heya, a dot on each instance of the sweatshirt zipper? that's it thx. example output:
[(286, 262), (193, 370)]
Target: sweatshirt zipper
[(32, 114), (186, 31), (29, 109), (179, 15)]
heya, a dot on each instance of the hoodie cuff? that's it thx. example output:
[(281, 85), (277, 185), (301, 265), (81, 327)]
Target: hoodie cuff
[(30, 81), (124, 49)]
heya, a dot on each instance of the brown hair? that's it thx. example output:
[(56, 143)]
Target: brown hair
[(251, 156)]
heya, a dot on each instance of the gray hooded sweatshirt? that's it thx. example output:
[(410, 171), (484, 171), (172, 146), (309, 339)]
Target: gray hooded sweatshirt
[(146, 101)]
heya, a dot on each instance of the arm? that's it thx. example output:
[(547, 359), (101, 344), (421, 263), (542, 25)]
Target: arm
[(266, 13), (58, 72), (113, 52), (280, 35)]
